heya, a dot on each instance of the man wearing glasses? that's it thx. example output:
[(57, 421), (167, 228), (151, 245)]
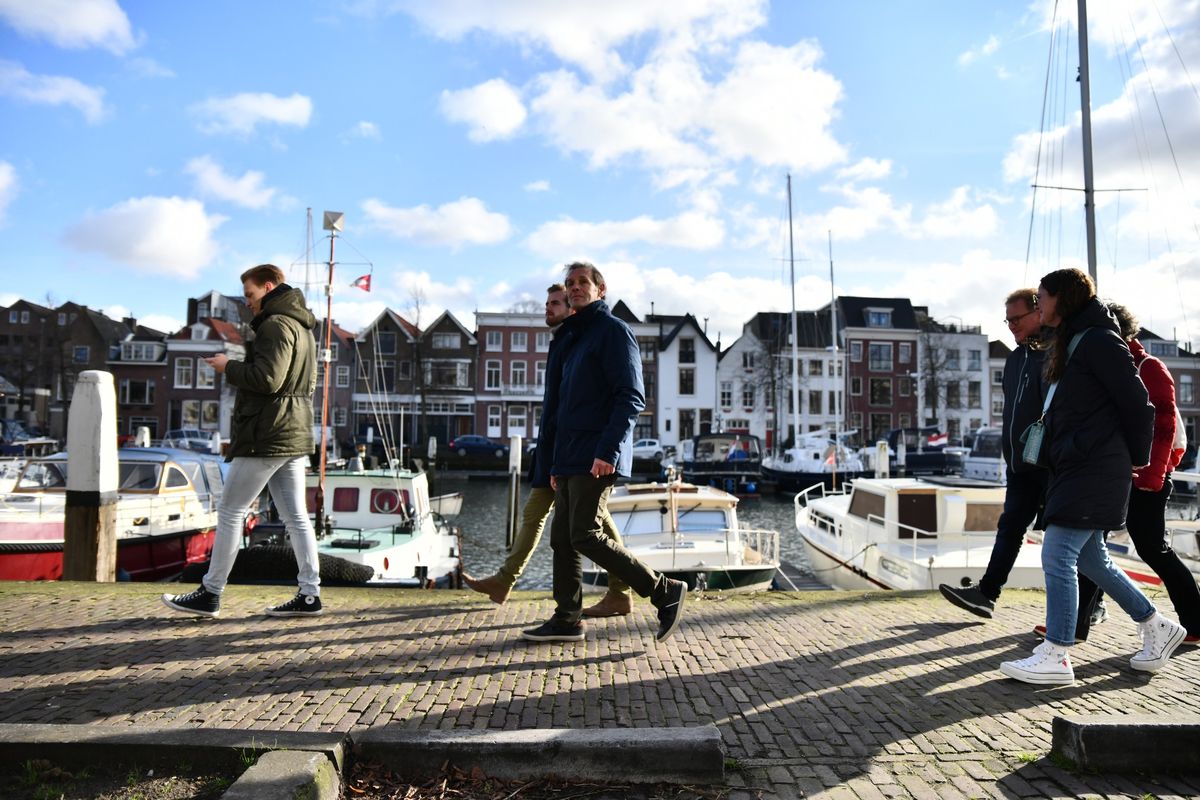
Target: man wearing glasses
[(1026, 484)]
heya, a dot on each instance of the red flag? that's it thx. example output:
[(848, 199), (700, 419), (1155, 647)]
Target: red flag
[(363, 283)]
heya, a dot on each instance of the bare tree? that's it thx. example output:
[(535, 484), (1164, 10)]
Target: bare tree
[(525, 307)]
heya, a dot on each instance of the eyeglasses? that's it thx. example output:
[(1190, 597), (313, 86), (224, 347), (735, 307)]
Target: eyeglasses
[(1014, 320)]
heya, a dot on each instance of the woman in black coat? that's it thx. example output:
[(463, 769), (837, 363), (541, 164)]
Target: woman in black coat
[(1098, 425)]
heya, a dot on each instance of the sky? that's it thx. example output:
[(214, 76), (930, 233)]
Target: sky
[(151, 152)]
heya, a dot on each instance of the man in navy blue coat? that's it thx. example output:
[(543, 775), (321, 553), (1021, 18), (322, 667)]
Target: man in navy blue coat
[(594, 394)]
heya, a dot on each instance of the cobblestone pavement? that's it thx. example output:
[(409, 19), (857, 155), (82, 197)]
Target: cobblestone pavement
[(838, 695)]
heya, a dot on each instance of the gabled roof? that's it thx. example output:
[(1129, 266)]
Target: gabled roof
[(773, 329), (447, 315), (624, 313), (670, 326), (226, 330), (411, 331), (34, 307), (109, 330), (852, 311), (145, 334), (998, 349)]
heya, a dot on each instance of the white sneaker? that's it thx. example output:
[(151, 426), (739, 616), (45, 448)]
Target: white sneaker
[(1050, 663), (1160, 636)]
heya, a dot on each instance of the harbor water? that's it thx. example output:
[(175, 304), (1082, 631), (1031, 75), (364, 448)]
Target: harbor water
[(482, 523)]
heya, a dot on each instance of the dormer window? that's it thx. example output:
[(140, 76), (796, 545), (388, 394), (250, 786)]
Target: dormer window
[(879, 317), (1162, 348)]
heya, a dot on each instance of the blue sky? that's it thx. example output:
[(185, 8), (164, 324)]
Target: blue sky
[(152, 151)]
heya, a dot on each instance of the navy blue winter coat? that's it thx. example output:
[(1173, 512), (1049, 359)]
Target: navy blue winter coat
[(540, 461), (594, 394), (1099, 427), (1023, 399)]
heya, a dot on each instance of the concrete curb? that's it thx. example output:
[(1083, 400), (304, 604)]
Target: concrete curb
[(646, 755), (287, 775), (1128, 743), (91, 744)]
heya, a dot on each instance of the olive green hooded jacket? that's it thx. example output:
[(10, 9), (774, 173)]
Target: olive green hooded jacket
[(273, 413)]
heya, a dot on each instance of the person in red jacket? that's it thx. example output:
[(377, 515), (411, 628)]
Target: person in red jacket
[(1152, 484)]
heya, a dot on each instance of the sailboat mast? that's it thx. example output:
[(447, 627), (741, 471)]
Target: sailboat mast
[(1085, 103), (839, 420), (795, 348), (326, 360)]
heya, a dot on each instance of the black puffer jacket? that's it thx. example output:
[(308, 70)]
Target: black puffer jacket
[(1099, 427), (273, 414), (1023, 398)]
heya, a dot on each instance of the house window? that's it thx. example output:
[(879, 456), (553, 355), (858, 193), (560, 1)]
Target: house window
[(520, 342), (516, 373), (952, 355), (974, 394), (81, 354), (493, 341), (880, 357), (856, 420), (210, 414), (648, 348), (1161, 349), (687, 381), (905, 386), (13, 316), (856, 385), (62, 319), (343, 377), (814, 401), (726, 394), (543, 341), (881, 423), (997, 406), (516, 420), (1187, 390), (386, 341), (183, 373), (881, 392), (385, 375), (830, 366), (833, 400), (201, 310), (904, 352), (905, 420), (189, 414), (450, 341), (139, 393), (493, 419), (199, 333), (687, 350), (24, 317), (856, 351), (339, 417), (879, 317), (997, 377), (953, 395), (491, 374), (206, 376), (405, 371), (748, 396), (816, 368), (539, 374), (974, 360), (747, 360)]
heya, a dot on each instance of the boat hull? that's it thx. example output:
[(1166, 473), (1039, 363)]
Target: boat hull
[(140, 558), (792, 482), (729, 579)]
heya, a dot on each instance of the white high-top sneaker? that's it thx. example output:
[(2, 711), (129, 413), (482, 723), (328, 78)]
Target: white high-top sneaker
[(1050, 663), (1160, 636)]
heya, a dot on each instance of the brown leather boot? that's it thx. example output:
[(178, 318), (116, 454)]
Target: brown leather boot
[(613, 604), (492, 586)]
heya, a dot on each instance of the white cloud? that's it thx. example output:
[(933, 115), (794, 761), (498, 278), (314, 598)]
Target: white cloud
[(956, 218), (71, 23), (986, 49), (53, 90), (579, 34), (492, 110), (161, 322), (463, 221), (247, 191), (365, 130), (8, 298), (9, 186), (867, 169), (243, 113), (156, 235), (537, 186), (116, 312), (693, 230), (149, 68)]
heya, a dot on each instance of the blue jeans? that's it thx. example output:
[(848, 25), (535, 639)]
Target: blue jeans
[(247, 477), (1064, 549)]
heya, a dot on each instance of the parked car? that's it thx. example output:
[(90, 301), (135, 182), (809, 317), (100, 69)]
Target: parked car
[(189, 439), (647, 448), (474, 445)]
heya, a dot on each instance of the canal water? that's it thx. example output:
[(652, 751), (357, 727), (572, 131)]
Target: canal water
[(482, 523)]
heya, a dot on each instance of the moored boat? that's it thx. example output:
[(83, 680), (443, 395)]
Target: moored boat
[(728, 461), (690, 533), (906, 533), (166, 513), (816, 458)]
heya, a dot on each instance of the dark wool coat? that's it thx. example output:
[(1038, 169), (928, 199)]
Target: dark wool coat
[(1161, 387), (273, 414), (1099, 427), (1023, 398), (594, 394), (539, 467)]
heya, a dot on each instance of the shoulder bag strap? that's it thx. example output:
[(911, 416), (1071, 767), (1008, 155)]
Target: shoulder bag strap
[(1070, 352)]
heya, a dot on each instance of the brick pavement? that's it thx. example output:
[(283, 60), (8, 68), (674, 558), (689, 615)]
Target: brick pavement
[(838, 695)]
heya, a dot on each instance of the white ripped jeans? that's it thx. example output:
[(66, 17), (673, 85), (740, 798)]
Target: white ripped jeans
[(247, 477)]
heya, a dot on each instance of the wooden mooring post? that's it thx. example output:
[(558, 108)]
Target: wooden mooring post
[(90, 527)]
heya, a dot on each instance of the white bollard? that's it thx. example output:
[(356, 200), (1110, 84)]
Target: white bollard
[(882, 467), (142, 437), (89, 530)]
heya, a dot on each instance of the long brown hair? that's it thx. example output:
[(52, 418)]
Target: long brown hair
[(1072, 289)]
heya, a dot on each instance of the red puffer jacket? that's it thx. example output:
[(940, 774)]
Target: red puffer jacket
[(1161, 388)]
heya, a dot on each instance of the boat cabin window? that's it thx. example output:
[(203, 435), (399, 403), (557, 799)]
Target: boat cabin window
[(388, 501), (987, 445), (43, 475), (176, 479), (983, 516), (642, 520), (864, 504), (709, 519), (919, 511), (212, 476), (139, 477), (345, 498)]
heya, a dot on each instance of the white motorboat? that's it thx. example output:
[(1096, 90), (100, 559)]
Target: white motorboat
[(816, 458), (985, 461), (907, 533), (448, 505), (690, 533), (166, 513)]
